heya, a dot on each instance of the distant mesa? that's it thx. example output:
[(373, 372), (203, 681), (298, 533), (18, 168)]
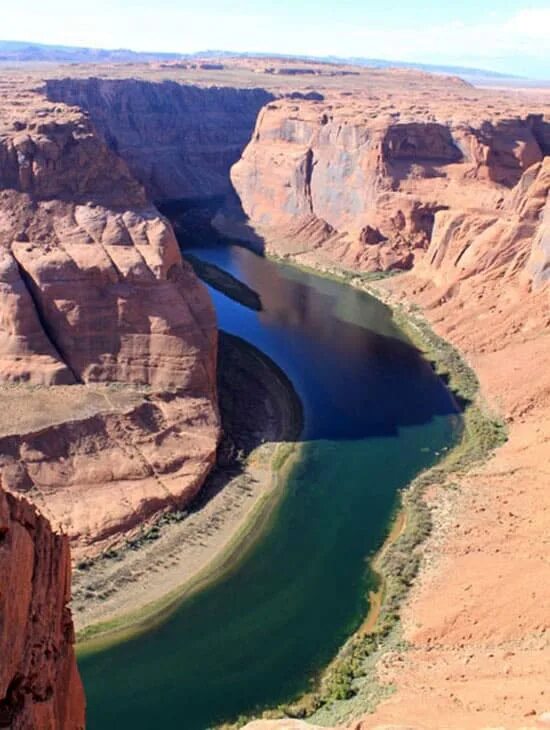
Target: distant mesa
[(268, 63)]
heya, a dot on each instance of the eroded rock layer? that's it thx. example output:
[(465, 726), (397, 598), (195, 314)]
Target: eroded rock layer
[(95, 296), (39, 683), (363, 185), (179, 141)]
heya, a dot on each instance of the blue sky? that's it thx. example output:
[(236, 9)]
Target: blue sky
[(506, 36)]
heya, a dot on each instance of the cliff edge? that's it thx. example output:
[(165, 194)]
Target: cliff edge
[(364, 182), (39, 682)]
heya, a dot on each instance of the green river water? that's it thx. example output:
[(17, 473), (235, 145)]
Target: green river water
[(375, 415)]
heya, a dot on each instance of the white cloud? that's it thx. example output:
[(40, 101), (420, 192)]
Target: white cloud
[(518, 43), (526, 31)]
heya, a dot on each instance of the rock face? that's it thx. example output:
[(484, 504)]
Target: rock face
[(472, 203), (180, 141), (364, 188), (511, 245), (39, 682), (95, 296)]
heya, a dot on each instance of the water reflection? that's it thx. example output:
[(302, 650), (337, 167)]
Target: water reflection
[(355, 372)]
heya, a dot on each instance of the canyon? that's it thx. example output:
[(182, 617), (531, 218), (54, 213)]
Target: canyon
[(108, 340)]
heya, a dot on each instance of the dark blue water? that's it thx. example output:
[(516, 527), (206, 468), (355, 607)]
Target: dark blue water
[(356, 373), (375, 415)]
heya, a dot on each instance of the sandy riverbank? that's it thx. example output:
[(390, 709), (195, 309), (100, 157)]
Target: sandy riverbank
[(477, 624), (135, 583)]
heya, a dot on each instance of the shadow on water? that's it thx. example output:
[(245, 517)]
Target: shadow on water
[(375, 414), (356, 373), (218, 219), (257, 404)]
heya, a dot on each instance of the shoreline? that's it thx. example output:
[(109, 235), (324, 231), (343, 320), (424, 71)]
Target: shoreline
[(344, 690), (336, 690), (182, 552), (241, 535)]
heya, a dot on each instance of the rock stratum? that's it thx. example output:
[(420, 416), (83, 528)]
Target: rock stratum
[(107, 339), (360, 184), (39, 684), (179, 141)]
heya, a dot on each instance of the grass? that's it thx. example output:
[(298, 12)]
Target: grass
[(340, 274), (146, 535), (349, 685)]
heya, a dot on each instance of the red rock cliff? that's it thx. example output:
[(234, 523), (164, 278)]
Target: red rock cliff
[(178, 140), (40, 688), (98, 303), (363, 185)]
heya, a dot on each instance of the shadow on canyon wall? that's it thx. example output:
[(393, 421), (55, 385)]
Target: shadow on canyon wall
[(215, 219)]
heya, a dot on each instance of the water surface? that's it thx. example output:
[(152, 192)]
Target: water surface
[(375, 415)]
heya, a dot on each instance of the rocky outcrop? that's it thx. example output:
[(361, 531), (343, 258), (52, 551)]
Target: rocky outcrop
[(363, 187), (39, 682), (511, 245), (179, 140), (536, 207), (96, 297)]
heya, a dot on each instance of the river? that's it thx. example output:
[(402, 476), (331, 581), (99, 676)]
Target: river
[(375, 414)]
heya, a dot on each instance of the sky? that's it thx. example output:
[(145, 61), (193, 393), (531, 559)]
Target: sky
[(500, 35)]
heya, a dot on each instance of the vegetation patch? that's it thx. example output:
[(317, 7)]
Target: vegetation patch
[(340, 274)]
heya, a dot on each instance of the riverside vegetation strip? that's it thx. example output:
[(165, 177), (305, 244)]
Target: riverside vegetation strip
[(349, 686)]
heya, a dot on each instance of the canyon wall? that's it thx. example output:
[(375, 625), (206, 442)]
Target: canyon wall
[(364, 187), (107, 339), (510, 245), (179, 140), (39, 683)]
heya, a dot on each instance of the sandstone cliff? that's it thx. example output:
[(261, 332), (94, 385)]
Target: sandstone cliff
[(361, 184), (39, 683), (113, 330), (179, 140), (509, 245)]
